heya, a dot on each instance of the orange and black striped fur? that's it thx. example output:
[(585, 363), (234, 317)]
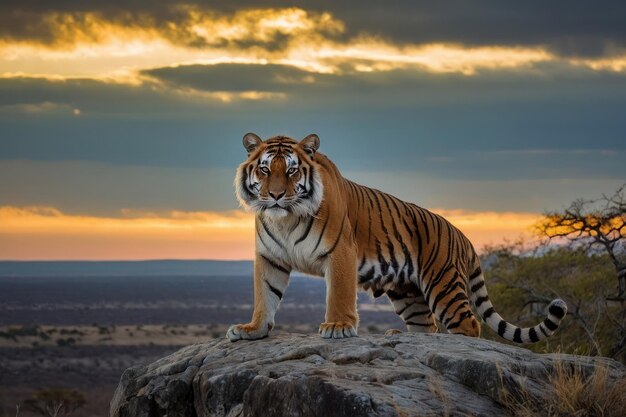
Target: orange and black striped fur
[(311, 219)]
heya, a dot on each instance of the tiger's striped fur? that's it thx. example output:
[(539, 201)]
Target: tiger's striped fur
[(309, 218)]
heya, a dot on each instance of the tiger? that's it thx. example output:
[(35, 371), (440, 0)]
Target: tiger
[(309, 218)]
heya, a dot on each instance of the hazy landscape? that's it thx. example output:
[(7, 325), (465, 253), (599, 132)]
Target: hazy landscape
[(78, 325)]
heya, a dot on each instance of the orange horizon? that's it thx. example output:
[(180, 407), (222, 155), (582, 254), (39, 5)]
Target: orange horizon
[(48, 234)]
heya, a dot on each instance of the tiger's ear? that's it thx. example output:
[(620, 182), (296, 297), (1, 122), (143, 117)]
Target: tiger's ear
[(310, 144), (251, 142)]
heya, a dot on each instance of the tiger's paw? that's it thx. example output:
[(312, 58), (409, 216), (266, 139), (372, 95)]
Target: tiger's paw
[(247, 332), (391, 332), (337, 330)]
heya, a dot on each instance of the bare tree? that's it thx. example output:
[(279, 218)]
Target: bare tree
[(598, 224), (54, 402)]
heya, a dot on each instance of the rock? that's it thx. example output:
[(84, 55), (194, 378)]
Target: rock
[(373, 375)]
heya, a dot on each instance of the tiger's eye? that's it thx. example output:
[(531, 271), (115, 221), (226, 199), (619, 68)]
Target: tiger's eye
[(265, 170), (292, 171)]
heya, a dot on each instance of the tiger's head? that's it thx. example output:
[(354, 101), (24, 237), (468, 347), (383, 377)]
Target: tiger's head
[(280, 176)]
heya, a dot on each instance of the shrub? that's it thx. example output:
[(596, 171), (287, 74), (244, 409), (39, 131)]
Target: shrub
[(569, 392), (54, 402), (522, 283)]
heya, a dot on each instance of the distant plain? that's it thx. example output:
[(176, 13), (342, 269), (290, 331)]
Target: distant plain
[(78, 325)]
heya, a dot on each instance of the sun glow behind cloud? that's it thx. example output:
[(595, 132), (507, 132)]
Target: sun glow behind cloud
[(88, 45), (45, 233)]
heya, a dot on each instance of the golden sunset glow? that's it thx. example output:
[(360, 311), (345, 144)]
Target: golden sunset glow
[(87, 45), (617, 64), (490, 227), (47, 233), (228, 96)]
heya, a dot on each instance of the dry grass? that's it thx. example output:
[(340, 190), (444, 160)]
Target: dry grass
[(436, 388), (569, 392)]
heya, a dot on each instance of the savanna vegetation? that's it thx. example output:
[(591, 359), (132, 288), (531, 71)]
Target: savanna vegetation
[(583, 261), (571, 392), (52, 402)]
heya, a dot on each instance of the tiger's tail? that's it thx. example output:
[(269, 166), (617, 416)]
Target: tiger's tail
[(480, 298)]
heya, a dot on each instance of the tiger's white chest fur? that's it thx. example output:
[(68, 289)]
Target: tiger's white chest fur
[(292, 241)]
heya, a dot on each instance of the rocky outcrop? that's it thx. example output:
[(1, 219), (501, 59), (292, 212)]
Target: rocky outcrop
[(374, 375)]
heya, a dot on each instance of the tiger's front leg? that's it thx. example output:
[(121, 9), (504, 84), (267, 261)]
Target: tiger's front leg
[(270, 282), (342, 318)]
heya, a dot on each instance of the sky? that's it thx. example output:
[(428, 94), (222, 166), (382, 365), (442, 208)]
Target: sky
[(121, 121)]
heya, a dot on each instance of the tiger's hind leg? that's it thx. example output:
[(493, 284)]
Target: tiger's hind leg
[(414, 311), (448, 299)]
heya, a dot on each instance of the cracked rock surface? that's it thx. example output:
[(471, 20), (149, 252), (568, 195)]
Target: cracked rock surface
[(373, 375)]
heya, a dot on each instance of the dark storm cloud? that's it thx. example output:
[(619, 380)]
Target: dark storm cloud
[(396, 87), (572, 28), (236, 77), (566, 27)]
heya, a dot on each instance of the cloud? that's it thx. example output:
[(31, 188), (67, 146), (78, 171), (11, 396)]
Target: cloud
[(510, 127), (102, 189), (47, 233), (91, 44), (234, 77), (225, 96), (118, 46), (616, 64), (565, 28), (180, 88), (185, 25), (569, 28), (39, 108)]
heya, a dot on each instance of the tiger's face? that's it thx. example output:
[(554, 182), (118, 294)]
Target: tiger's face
[(279, 177)]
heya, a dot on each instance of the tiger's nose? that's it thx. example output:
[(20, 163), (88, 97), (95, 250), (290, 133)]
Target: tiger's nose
[(277, 196)]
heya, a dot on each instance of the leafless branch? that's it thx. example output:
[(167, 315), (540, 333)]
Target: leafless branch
[(593, 223)]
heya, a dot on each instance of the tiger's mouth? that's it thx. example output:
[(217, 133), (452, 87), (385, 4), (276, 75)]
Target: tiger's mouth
[(283, 204), (276, 207), (262, 204), (275, 210)]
